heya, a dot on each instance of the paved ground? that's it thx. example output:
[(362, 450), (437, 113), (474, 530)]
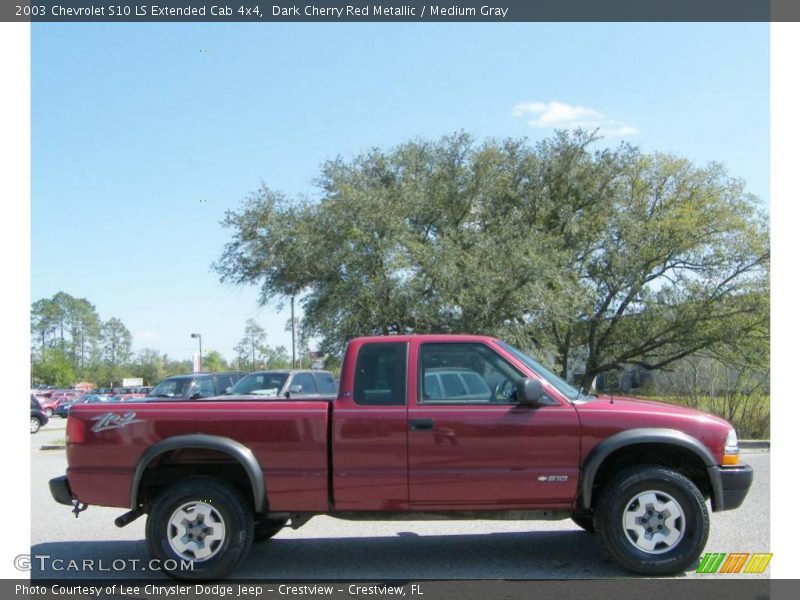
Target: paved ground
[(331, 549)]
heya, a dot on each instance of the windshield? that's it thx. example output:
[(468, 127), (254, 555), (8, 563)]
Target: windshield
[(260, 384), (171, 388), (562, 386)]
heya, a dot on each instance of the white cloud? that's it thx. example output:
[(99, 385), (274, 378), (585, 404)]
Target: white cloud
[(560, 115)]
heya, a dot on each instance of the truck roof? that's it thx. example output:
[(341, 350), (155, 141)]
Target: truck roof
[(427, 337)]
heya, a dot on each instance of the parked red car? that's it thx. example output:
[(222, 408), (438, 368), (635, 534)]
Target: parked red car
[(48, 405), (435, 426), (51, 401)]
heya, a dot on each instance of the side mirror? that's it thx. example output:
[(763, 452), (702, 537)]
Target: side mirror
[(531, 393), (228, 389)]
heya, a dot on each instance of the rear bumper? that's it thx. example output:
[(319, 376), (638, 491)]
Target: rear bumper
[(731, 485), (59, 490)]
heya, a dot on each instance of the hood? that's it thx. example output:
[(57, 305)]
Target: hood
[(639, 405), (604, 416)]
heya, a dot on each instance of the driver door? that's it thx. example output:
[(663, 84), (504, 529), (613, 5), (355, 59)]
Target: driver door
[(471, 446)]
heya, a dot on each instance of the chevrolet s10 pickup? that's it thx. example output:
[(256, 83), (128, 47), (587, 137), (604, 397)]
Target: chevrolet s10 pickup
[(422, 427)]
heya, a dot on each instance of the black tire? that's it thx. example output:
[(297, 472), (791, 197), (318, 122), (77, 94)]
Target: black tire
[(229, 505), (617, 497), (585, 522), (36, 424), (48, 412), (267, 528)]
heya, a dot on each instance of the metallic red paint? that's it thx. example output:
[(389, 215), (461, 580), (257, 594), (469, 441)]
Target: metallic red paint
[(474, 458), (289, 439)]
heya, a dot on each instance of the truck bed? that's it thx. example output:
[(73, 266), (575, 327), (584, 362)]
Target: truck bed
[(289, 438)]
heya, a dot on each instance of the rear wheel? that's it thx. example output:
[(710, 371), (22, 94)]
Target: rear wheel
[(35, 424), (203, 522), (48, 411), (652, 520), (267, 528)]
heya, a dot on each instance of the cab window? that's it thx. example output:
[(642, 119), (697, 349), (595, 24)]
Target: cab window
[(465, 373)]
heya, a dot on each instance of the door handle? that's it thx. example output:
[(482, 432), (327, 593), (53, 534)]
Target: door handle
[(421, 424)]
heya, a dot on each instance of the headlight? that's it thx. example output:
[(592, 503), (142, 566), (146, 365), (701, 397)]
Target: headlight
[(731, 454)]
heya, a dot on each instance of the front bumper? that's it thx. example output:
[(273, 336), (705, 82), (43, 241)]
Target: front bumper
[(731, 485), (59, 490)]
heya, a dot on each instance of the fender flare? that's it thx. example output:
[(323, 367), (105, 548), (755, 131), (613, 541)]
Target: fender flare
[(630, 437), (242, 454)]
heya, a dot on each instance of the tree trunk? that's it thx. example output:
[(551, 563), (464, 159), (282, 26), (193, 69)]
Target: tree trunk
[(587, 379), (565, 354)]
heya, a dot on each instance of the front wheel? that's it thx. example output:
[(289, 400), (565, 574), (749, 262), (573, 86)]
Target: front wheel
[(200, 528), (35, 425), (652, 520)]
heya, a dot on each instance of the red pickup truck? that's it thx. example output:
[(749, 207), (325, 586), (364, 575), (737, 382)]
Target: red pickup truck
[(423, 426)]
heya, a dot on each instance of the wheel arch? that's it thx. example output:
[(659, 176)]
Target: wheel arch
[(668, 440), (237, 451)]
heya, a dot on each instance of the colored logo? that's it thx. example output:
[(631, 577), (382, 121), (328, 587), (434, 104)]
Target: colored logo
[(734, 562)]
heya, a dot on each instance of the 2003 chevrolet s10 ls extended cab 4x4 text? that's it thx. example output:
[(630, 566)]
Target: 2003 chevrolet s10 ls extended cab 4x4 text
[(427, 426)]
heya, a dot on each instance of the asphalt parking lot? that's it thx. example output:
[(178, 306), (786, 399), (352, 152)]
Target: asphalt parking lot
[(327, 548)]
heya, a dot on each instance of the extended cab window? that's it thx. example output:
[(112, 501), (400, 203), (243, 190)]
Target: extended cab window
[(465, 373), (380, 377)]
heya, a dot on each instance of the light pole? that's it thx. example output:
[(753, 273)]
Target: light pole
[(200, 358), (294, 362)]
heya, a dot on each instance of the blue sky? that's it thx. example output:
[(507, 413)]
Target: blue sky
[(143, 135)]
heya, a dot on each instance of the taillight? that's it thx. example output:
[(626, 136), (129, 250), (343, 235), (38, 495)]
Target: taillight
[(75, 430)]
